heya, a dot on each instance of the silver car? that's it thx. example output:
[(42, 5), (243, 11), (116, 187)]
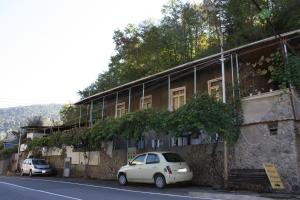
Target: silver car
[(34, 166)]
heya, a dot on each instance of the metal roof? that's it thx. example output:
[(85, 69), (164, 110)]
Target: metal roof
[(182, 66)]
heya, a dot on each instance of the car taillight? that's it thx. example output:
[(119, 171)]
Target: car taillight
[(169, 169)]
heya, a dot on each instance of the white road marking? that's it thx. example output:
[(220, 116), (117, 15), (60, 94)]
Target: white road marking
[(120, 189), (41, 191)]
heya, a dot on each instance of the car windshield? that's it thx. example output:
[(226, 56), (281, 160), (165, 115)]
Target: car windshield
[(39, 162), (172, 157)]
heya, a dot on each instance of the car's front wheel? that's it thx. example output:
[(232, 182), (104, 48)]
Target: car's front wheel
[(160, 181), (122, 179)]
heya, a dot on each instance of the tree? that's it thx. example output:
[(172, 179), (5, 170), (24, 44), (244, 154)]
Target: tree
[(69, 114), (35, 121)]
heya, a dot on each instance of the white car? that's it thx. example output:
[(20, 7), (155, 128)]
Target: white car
[(32, 166), (160, 168)]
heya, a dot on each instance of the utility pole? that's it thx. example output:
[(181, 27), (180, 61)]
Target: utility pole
[(18, 157), (212, 9)]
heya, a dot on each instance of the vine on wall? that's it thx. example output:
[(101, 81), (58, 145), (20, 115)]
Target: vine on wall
[(203, 113)]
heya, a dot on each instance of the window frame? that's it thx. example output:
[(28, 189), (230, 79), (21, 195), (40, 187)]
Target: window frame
[(209, 87), (141, 101), (149, 163), (145, 156), (122, 104), (172, 96)]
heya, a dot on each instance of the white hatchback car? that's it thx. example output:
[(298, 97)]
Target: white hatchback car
[(160, 168)]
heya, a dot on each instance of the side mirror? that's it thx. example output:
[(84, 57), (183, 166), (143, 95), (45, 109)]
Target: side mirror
[(131, 163)]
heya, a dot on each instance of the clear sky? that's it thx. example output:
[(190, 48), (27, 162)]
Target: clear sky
[(50, 49)]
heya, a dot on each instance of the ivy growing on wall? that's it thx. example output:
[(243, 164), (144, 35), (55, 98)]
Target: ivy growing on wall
[(286, 71), (203, 113)]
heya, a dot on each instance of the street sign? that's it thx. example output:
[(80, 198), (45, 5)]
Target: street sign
[(273, 176)]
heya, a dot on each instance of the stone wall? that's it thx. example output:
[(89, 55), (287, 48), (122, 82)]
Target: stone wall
[(207, 172), (256, 146), (4, 165)]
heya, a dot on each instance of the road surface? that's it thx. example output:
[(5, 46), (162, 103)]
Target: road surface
[(43, 188)]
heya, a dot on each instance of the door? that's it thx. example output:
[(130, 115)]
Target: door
[(151, 167), (135, 168)]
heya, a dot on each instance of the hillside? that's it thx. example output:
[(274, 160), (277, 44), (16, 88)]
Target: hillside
[(14, 117)]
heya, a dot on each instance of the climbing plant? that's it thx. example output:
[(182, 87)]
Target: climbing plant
[(286, 71), (204, 113)]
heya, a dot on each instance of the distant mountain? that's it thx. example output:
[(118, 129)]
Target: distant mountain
[(15, 117)]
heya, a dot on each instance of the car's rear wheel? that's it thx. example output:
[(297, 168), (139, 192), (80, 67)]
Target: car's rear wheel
[(122, 179), (160, 181)]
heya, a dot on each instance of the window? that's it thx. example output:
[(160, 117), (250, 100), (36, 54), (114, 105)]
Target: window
[(172, 157), (215, 87), (152, 158), (120, 109), (39, 162), (147, 102), (273, 128), (139, 160), (177, 98), (155, 143)]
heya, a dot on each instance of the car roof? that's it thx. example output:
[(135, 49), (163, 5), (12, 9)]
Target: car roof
[(155, 152)]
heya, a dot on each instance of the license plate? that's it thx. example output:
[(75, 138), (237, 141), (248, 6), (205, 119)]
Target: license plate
[(43, 171)]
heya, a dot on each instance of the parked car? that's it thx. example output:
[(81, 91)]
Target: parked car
[(160, 168), (34, 166)]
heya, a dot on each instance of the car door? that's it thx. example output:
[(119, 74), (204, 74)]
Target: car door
[(151, 167), (25, 166), (135, 168)]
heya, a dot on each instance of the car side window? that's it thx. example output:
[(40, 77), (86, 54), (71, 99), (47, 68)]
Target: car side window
[(139, 160), (25, 162), (152, 158)]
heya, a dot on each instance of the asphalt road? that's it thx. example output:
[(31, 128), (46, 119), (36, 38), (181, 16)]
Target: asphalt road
[(43, 188)]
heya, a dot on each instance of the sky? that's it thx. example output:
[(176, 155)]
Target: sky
[(51, 49)]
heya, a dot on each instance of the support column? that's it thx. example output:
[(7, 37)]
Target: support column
[(102, 111), (169, 92), (129, 100), (237, 69), (195, 80), (143, 96), (232, 76), (91, 114), (224, 101), (223, 78), (117, 99), (80, 116)]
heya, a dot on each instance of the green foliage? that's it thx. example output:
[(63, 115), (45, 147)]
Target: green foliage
[(203, 113), (207, 114), (1, 145), (8, 152), (69, 114), (287, 71), (188, 31)]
